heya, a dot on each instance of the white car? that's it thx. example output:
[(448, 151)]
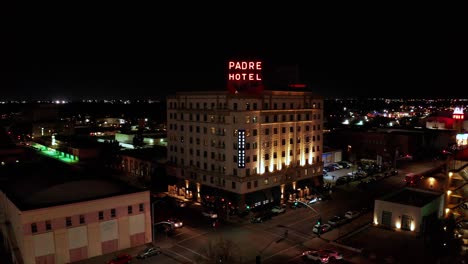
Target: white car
[(314, 200), (322, 228), (278, 209), (332, 254), (352, 214), (315, 256), (176, 222), (210, 214)]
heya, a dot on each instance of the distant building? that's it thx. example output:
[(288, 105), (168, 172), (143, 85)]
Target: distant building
[(47, 217), (409, 209), (250, 149), (453, 120), (140, 164), (330, 155), (149, 139), (389, 143)]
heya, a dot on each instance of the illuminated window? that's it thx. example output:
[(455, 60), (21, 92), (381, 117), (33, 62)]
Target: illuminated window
[(265, 181)]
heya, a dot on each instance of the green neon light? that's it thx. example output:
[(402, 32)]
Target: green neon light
[(53, 153)]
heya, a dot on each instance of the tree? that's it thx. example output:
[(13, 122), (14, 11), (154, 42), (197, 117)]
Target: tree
[(221, 251)]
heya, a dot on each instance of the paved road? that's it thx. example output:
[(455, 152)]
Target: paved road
[(190, 244)]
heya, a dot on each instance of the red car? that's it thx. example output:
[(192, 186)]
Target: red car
[(121, 259)]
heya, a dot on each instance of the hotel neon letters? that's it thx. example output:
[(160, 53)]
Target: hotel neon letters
[(244, 70)]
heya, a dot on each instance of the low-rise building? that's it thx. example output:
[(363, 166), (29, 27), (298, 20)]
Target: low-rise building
[(49, 215), (409, 209)]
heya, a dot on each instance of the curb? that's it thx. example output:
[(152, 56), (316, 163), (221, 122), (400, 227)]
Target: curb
[(357, 250)]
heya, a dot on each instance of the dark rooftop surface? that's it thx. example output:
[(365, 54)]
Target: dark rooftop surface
[(46, 182), (412, 197)]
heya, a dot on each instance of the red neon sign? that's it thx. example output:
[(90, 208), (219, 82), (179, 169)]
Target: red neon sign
[(297, 85), (245, 76)]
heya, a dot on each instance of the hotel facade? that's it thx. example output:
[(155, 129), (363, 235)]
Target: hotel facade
[(247, 149)]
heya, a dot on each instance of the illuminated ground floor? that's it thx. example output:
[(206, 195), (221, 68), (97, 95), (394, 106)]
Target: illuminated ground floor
[(231, 203)]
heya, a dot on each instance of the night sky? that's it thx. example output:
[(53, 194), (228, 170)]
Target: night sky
[(110, 51)]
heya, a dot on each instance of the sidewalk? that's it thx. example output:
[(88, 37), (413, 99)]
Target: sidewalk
[(102, 259)]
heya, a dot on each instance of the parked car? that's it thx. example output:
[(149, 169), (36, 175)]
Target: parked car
[(149, 252), (278, 209), (121, 259), (177, 223), (315, 256), (261, 217), (322, 228), (332, 254), (345, 164), (352, 214), (210, 214), (337, 220)]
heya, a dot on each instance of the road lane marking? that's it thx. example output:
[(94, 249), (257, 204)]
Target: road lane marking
[(279, 252), (173, 252), (203, 256), (198, 235)]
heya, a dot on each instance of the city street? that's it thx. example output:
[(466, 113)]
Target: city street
[(190, 244)]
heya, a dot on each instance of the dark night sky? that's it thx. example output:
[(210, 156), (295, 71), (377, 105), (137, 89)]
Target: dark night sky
[(134, 51)]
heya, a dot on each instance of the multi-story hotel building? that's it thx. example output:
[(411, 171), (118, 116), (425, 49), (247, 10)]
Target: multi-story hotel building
[(236, 145)]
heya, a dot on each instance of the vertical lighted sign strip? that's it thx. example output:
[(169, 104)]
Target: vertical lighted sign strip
[(241, 149)]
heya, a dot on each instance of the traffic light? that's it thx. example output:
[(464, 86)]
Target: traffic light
[(248, 207), (319, 221), (295, 203)]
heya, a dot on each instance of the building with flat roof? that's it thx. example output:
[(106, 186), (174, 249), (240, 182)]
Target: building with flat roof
[(409, 209), (52, 213), (247, 149)]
